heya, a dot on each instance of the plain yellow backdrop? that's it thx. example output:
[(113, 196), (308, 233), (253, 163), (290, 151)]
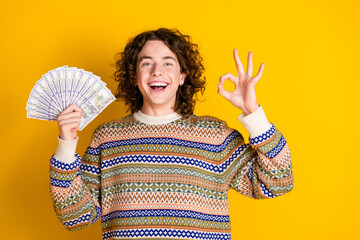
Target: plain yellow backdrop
[(309, 90)]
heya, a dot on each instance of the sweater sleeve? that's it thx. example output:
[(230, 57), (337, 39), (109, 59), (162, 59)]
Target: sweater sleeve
[(75, 185), (264, 168)]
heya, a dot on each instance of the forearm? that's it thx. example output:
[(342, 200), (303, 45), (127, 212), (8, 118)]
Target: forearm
[(267, 168)]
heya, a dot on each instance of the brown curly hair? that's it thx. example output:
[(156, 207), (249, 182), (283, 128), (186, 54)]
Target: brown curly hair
[(189, 59)]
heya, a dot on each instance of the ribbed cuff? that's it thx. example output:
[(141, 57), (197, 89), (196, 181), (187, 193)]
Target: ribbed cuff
[(256, 123), (65, 151)]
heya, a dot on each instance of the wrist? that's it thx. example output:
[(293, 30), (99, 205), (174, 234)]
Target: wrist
[(67, 138), (256, 123), (251, 110)]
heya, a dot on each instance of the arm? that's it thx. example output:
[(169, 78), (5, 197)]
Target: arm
[(75, 182), (264, 168)]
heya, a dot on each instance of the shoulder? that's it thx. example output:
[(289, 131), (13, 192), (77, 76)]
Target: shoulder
[(212, 127), (112, 127)]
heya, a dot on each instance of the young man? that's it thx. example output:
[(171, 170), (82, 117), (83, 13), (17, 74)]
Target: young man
[(162, 172)]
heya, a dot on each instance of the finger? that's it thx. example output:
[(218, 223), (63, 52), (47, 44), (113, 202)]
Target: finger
[(223, 92), (238, 63), (259, 74), (228, 76), (69, 115), (69, 120), (72, 108), (250, 65)]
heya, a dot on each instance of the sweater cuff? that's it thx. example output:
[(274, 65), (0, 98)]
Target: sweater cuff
[(65, 151), (256, 123)]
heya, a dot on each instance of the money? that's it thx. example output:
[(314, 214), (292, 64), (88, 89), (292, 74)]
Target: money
[(63, 86)]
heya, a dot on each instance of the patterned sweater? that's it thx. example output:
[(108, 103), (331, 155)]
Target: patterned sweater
[(167, 180)]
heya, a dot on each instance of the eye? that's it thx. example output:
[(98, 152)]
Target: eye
[(168, 64), (146, 64)]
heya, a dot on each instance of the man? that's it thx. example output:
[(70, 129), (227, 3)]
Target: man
[(162, 172)]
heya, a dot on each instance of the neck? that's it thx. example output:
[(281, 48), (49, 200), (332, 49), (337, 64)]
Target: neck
[(162, 119), (156, 111)]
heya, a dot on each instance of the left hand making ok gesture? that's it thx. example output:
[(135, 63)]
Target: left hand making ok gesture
[(243, 97)]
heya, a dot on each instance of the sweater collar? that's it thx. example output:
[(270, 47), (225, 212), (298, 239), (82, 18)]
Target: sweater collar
[(154, 120)]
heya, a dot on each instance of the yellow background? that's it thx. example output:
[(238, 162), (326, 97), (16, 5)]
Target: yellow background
[(309, 89)]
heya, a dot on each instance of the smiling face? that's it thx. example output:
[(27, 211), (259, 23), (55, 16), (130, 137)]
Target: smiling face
[(158, 77)]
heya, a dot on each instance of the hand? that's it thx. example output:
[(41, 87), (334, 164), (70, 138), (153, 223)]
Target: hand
[(243, 97), (69, 122)]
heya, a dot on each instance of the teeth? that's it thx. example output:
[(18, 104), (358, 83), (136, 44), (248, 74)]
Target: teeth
[(158, 84)]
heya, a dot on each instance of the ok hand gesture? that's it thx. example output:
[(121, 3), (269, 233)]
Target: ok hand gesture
[(243, 97)]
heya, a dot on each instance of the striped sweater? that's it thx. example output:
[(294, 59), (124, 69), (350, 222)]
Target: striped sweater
[(168, 180)]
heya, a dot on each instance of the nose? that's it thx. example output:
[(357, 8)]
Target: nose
[(156, 70)]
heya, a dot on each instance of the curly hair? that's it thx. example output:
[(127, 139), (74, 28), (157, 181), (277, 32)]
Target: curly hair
[(189, 59)]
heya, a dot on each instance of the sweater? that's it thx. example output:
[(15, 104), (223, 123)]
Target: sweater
[(167, 177)]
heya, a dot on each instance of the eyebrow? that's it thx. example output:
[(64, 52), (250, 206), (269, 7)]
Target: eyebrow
[(148, 57)]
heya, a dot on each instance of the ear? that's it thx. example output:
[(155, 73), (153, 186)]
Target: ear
[(182, 78)]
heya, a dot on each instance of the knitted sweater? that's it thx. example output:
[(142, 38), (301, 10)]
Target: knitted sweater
[(157, 178)]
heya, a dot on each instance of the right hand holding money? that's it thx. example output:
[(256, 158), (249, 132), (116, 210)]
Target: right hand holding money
[(69, 122)]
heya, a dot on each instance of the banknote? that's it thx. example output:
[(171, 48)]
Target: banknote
[(92, 106), (63, 86)]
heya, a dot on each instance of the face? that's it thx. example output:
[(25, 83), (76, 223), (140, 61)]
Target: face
[(158, 77)]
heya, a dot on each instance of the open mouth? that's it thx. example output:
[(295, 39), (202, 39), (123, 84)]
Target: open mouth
[(158, 86)]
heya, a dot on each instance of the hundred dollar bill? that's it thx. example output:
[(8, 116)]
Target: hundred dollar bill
[(94, 105), (40, 94), (39, 115)]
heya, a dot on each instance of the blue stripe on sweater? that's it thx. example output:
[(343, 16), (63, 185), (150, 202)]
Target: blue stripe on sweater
[(166, 141), (164, 213), (164, 233)]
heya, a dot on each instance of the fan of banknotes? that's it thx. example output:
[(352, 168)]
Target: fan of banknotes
[(63, 86)]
